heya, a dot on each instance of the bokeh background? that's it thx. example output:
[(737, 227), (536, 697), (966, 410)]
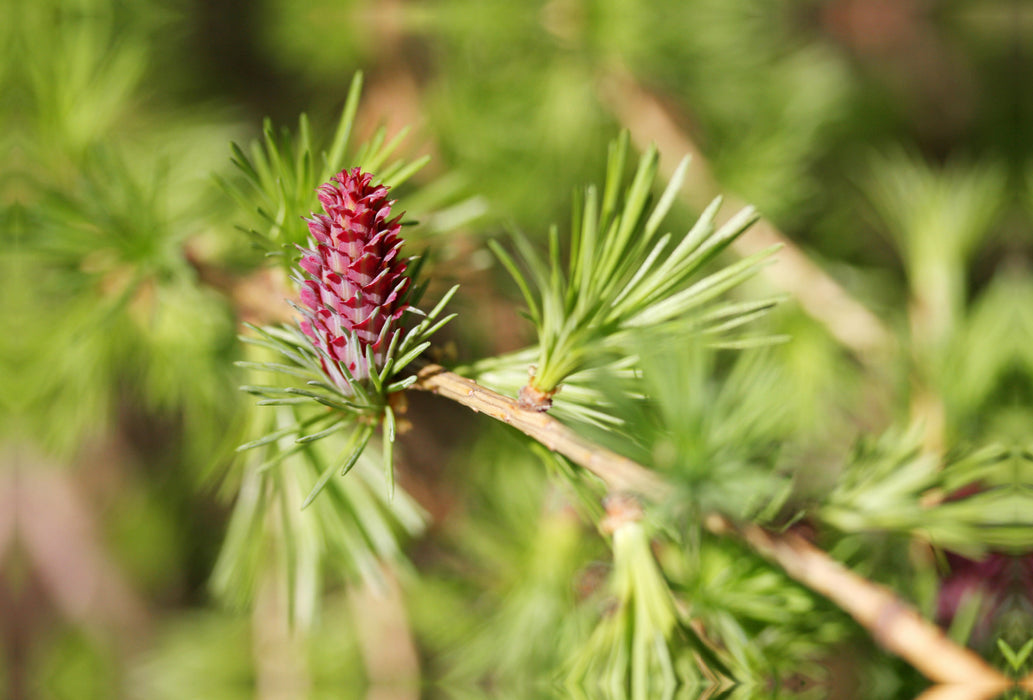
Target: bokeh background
[(887, 141)]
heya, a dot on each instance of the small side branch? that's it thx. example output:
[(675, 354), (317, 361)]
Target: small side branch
[(617, 472), (891, 621)]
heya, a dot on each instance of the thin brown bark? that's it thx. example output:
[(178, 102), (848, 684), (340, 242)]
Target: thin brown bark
[(617, 472), (890, 620)]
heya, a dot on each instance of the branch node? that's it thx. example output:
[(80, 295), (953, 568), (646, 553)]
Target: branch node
[(534, 399), (621, 509)]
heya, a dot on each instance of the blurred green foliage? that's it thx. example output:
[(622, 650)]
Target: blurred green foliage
[(890, 144)]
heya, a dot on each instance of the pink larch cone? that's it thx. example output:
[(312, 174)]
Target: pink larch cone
[(356, 282)]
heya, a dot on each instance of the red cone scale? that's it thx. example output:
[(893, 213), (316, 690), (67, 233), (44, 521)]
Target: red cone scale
[(356, 281)]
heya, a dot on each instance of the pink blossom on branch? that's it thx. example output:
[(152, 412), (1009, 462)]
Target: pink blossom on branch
[(356, 281)]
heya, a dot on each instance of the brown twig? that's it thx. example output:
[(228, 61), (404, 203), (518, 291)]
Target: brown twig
[(55, 527), (853, 325), (891, 621), (617, 472), (959, 692)]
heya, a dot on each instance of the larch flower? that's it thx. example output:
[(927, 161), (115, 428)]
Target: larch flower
[(355, 285)]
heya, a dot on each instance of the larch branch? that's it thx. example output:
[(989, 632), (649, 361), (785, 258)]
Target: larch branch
[(891, 621), (617, 472)]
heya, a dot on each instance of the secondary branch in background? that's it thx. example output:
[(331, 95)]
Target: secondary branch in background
[(847, 320)]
